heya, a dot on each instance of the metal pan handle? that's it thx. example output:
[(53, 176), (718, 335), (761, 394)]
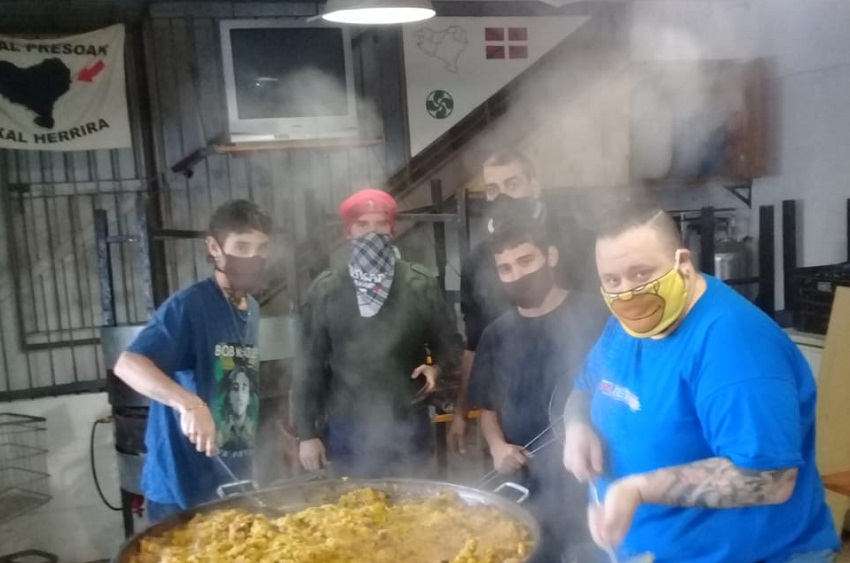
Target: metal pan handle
[(241, 487), (523, 491), (318, 475)]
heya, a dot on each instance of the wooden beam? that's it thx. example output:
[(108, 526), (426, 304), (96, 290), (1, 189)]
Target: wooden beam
[(276, 9), (192, 10)]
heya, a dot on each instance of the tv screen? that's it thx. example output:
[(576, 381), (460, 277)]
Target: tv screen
[(288, 79), (294, 72)]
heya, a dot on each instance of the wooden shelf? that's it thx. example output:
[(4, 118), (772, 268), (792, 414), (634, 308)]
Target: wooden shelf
[(304, 144), (219, 146), (734, 145)]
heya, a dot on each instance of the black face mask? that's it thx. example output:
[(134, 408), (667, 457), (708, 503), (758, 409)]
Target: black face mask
[(529, 291), (243, 274), (505, 208), (507, 203)]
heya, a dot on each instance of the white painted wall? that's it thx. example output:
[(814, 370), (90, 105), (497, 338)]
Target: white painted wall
[(810, 45), (809, 95), (74, 525)]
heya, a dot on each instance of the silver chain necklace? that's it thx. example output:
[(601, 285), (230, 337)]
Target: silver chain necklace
[(236, 317)]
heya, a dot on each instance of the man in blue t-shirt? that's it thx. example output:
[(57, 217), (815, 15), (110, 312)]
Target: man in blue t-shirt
[(197, 360), (694, 415)]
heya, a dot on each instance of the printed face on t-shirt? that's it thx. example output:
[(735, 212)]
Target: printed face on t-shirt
[(235, 403), (239, 394)]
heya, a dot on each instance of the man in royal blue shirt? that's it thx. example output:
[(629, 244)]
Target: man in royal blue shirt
[(197, 360), (694, 415)]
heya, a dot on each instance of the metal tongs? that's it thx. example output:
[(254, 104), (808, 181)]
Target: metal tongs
[(249, 488), (494, 474), (594, 498), (244, 486)]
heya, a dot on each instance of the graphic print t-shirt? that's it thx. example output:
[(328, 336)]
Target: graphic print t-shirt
[(236, 402), (209, 347)]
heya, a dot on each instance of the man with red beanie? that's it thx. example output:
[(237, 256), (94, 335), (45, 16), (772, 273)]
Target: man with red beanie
[(377, 336)]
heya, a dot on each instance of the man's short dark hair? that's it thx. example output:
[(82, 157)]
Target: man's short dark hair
[(238, 216), (630, 213), (505, 157), (515, 231)]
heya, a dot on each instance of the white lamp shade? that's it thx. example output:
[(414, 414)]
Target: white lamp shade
[(377, 12)]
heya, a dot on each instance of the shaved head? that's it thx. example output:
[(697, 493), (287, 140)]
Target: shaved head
[(628, 215)]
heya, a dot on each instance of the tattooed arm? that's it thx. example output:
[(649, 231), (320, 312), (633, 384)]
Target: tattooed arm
[(716, 483), (710, 483)]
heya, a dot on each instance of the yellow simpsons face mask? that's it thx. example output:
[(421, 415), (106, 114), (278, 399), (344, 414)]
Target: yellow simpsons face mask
[(650, 309)]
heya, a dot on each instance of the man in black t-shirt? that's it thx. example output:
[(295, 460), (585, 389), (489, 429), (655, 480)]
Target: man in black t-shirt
[(523, 370), (512, 191)]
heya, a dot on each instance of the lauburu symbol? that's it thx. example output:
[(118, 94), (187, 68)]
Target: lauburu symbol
[(439, 104)]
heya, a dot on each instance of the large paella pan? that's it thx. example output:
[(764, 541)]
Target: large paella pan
[(351, 521)]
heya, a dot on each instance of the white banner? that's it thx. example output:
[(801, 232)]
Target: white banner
[(453, 65), (64, 94)]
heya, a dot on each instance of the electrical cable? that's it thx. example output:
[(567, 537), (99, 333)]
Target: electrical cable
[(104, 420)]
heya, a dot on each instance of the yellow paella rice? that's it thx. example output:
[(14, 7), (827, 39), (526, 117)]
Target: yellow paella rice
[(363, 527)]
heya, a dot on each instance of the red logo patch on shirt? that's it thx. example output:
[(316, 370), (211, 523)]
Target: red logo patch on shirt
[(619, 393)]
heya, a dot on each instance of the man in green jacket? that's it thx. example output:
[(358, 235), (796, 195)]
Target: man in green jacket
[(377, 336)]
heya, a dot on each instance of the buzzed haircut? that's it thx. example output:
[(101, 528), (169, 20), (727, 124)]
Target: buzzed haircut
[(505, 157), (238, 216), (631, 213), (515, 231)]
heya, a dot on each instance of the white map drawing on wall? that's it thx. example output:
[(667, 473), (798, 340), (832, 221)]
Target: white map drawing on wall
[(445, 45), (452, 65)]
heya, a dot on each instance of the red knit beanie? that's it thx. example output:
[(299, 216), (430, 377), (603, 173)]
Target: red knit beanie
[(367, 201)]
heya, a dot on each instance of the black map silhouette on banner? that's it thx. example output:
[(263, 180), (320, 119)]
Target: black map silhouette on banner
[(37, 87)]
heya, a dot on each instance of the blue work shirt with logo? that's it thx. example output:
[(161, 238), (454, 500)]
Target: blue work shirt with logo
[(209, 347), (726, 383)]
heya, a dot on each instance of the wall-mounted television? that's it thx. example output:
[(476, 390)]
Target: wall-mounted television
[(287, 79)]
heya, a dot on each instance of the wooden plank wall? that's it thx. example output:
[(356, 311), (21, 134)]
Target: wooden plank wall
[(49, 291), (50, 307), (301, 189)]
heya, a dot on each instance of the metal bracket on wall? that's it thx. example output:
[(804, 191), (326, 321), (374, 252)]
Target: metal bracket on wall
[(744, 192), (104, 260)]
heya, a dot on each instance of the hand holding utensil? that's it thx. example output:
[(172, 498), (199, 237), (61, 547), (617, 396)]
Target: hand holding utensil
[(594, 498), (432, 376)]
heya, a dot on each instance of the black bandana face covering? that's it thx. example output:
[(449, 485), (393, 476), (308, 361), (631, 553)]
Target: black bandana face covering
[(530, 290), (371, 267)]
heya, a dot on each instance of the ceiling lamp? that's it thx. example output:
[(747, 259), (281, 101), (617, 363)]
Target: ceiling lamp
[(377, 12)]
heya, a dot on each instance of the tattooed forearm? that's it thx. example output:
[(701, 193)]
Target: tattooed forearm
[(717, 483)]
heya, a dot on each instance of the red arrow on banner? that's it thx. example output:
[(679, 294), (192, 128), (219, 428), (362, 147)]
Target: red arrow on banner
[(87, 74)]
